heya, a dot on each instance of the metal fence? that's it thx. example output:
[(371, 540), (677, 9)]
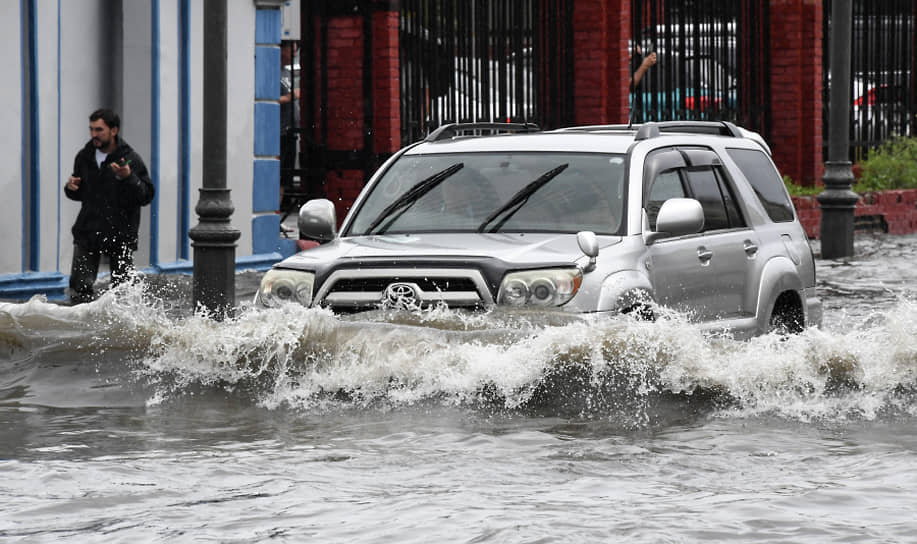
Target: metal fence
[(712, 61), (883, 62), (484, 60)]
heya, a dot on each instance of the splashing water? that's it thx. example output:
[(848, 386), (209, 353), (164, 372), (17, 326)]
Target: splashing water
[(604, 366)]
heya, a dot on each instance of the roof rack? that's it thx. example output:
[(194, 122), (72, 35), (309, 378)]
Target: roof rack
[(452, 130), (591, 128), (654, 129), (722, 128)]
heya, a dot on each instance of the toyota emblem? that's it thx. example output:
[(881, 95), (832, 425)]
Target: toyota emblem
[(401, 296)]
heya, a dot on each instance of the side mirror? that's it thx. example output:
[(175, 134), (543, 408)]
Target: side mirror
[(589, 245), (318, 220), (677, 217)]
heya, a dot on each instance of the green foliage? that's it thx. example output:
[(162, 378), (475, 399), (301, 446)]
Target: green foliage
[(799, 190), (892, 165)]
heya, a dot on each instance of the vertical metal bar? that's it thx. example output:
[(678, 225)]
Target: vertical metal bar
[(423, 72), (436, 110), (449, 22), (155, 112), (480, 52), (369, 147), (323, 66), (499, 63), (184, 146), (912, 72), (403, 10), (307, 69), (31, 168), (465, 61), (764, 69)]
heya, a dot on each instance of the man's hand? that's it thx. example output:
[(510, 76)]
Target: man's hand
[(287, 98), (122, 169), (649, 60), (74, 183)]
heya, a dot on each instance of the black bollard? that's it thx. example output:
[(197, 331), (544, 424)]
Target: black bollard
[(214, 239)]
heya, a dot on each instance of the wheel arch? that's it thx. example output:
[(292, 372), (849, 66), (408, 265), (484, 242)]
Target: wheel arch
[(779, 288), (623, 289)]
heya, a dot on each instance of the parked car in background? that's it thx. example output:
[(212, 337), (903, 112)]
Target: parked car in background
[(881, 106), (689, 215), (684, 87)]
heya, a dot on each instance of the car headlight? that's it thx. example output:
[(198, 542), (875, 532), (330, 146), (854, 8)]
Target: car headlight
[(281, 285), (549, 287)]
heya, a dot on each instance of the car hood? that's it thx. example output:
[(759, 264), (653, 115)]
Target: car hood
[(512, 248)]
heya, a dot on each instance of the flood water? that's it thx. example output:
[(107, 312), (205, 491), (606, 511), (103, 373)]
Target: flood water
[(132, 420)]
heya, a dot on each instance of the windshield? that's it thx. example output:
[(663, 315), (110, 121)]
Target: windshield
[(496, 192)]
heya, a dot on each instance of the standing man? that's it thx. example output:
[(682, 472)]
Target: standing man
[(112, 183)]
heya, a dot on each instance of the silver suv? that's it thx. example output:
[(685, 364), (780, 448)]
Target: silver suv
[(688, 215)]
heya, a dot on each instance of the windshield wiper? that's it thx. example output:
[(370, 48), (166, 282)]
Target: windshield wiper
[(521, 197), (413, 194)]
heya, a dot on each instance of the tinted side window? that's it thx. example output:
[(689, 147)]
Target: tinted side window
[(760, 172), (706, 190), (732, 208)]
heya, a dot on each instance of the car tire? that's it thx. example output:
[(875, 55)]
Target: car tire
[(787, 317)]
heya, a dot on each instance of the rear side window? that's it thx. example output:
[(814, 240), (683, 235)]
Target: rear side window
[(710, 189), (760, 172)]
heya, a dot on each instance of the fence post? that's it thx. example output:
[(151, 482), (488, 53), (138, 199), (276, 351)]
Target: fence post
[(601, 32), (796, 87), (362, 101)]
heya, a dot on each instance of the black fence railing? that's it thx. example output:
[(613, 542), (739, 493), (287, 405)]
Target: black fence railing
[(484, 61), (883, 68), (712, 61)]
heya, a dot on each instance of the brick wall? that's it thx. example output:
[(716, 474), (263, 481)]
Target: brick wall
[(347, 125), (345, 83), (601, 30), (796, 88), (386, 83), (892, 211)]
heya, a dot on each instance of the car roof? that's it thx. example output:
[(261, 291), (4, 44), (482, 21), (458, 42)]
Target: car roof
[(536, 141), (585, 139)]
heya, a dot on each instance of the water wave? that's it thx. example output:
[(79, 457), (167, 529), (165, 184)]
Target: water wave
[(587, 366)]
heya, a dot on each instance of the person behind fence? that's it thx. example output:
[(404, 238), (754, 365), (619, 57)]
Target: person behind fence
[(639, 66), (289, 102), (639, 70), (111, 183)]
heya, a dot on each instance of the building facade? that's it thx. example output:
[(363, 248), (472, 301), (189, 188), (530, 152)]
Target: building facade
[(142, 58)]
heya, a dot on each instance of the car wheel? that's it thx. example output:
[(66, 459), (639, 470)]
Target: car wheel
[(639, 305), (787, 317)]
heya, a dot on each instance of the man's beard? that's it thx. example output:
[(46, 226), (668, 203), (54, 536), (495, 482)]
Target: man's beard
[(100, 144)]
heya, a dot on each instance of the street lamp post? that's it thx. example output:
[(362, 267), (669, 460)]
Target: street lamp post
[(838, 200), (213, 239)]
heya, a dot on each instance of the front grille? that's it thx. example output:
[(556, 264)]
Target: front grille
[(351, 289), (425, 283)]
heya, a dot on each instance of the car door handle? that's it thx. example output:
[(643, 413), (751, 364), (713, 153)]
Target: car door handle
[(704, 255), (751, 249)]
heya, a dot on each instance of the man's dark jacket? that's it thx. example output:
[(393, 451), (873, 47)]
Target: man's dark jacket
[(110, 213)]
